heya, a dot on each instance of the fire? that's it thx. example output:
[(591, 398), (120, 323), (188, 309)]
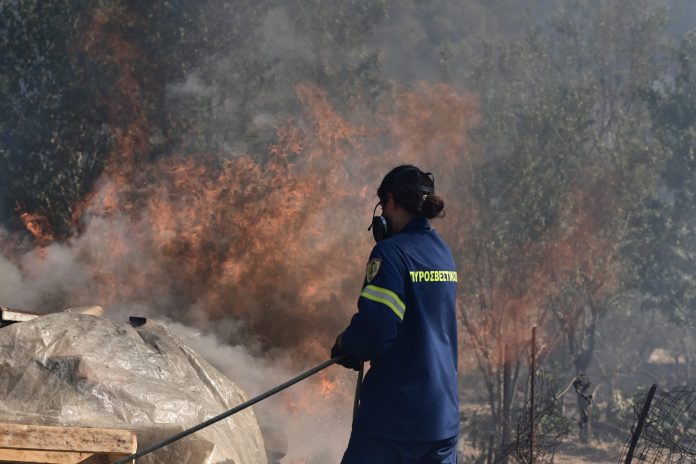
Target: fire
[(275, 242), (328, 395), (37, 224), (326, 386)]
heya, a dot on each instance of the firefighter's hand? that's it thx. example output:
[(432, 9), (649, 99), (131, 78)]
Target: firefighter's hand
[(345, 361)]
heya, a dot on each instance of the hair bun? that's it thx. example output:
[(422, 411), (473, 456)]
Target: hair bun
[(433, 206)]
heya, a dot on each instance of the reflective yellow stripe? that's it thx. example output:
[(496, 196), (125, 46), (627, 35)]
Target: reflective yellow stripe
[(386, 297)]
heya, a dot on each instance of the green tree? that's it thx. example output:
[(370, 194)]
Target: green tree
[(662, 249), (53, 137), (567, 156)]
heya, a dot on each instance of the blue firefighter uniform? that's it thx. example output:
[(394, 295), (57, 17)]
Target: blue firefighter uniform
[(406, 326)]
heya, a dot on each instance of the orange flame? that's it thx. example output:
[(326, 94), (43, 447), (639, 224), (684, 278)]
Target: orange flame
[(38, 225), (326, 386), (274, 242)]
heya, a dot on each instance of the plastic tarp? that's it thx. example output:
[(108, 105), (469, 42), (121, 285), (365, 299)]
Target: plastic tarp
[(69, 369)]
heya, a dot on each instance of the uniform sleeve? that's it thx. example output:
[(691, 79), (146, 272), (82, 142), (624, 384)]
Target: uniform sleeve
[(375, 326)]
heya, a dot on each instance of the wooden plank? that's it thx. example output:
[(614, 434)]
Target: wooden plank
[(15, 315), (38, 456), (11, 455), (81, 439)]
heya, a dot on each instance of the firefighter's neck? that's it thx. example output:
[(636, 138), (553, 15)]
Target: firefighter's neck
[(398, 217)]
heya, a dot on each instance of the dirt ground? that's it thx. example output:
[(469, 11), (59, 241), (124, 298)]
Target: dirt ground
[(607, 450), (569, 453), (597, 452)]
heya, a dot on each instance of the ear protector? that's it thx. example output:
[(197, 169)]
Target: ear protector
[(379, 226)]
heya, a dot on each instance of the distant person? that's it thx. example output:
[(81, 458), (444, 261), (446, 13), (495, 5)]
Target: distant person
[(406, 327)]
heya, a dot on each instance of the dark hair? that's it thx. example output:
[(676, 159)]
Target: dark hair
[(413, 190)]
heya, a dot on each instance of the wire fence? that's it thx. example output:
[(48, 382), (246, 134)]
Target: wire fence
[(664, 429), (549, 429)]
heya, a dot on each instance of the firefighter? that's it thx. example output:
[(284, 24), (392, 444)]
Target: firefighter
[(406, 328)]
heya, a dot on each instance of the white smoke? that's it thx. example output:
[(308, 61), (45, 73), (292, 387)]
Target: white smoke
[(10, 284), (298, 422), (319, 434), (40, 277)]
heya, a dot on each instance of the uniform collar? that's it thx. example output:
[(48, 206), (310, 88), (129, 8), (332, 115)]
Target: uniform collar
[(418, 223)]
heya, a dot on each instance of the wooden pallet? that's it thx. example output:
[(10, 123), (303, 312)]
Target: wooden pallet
[(64, 445)]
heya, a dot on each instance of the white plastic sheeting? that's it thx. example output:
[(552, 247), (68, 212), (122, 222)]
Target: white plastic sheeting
[(70, 369)]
